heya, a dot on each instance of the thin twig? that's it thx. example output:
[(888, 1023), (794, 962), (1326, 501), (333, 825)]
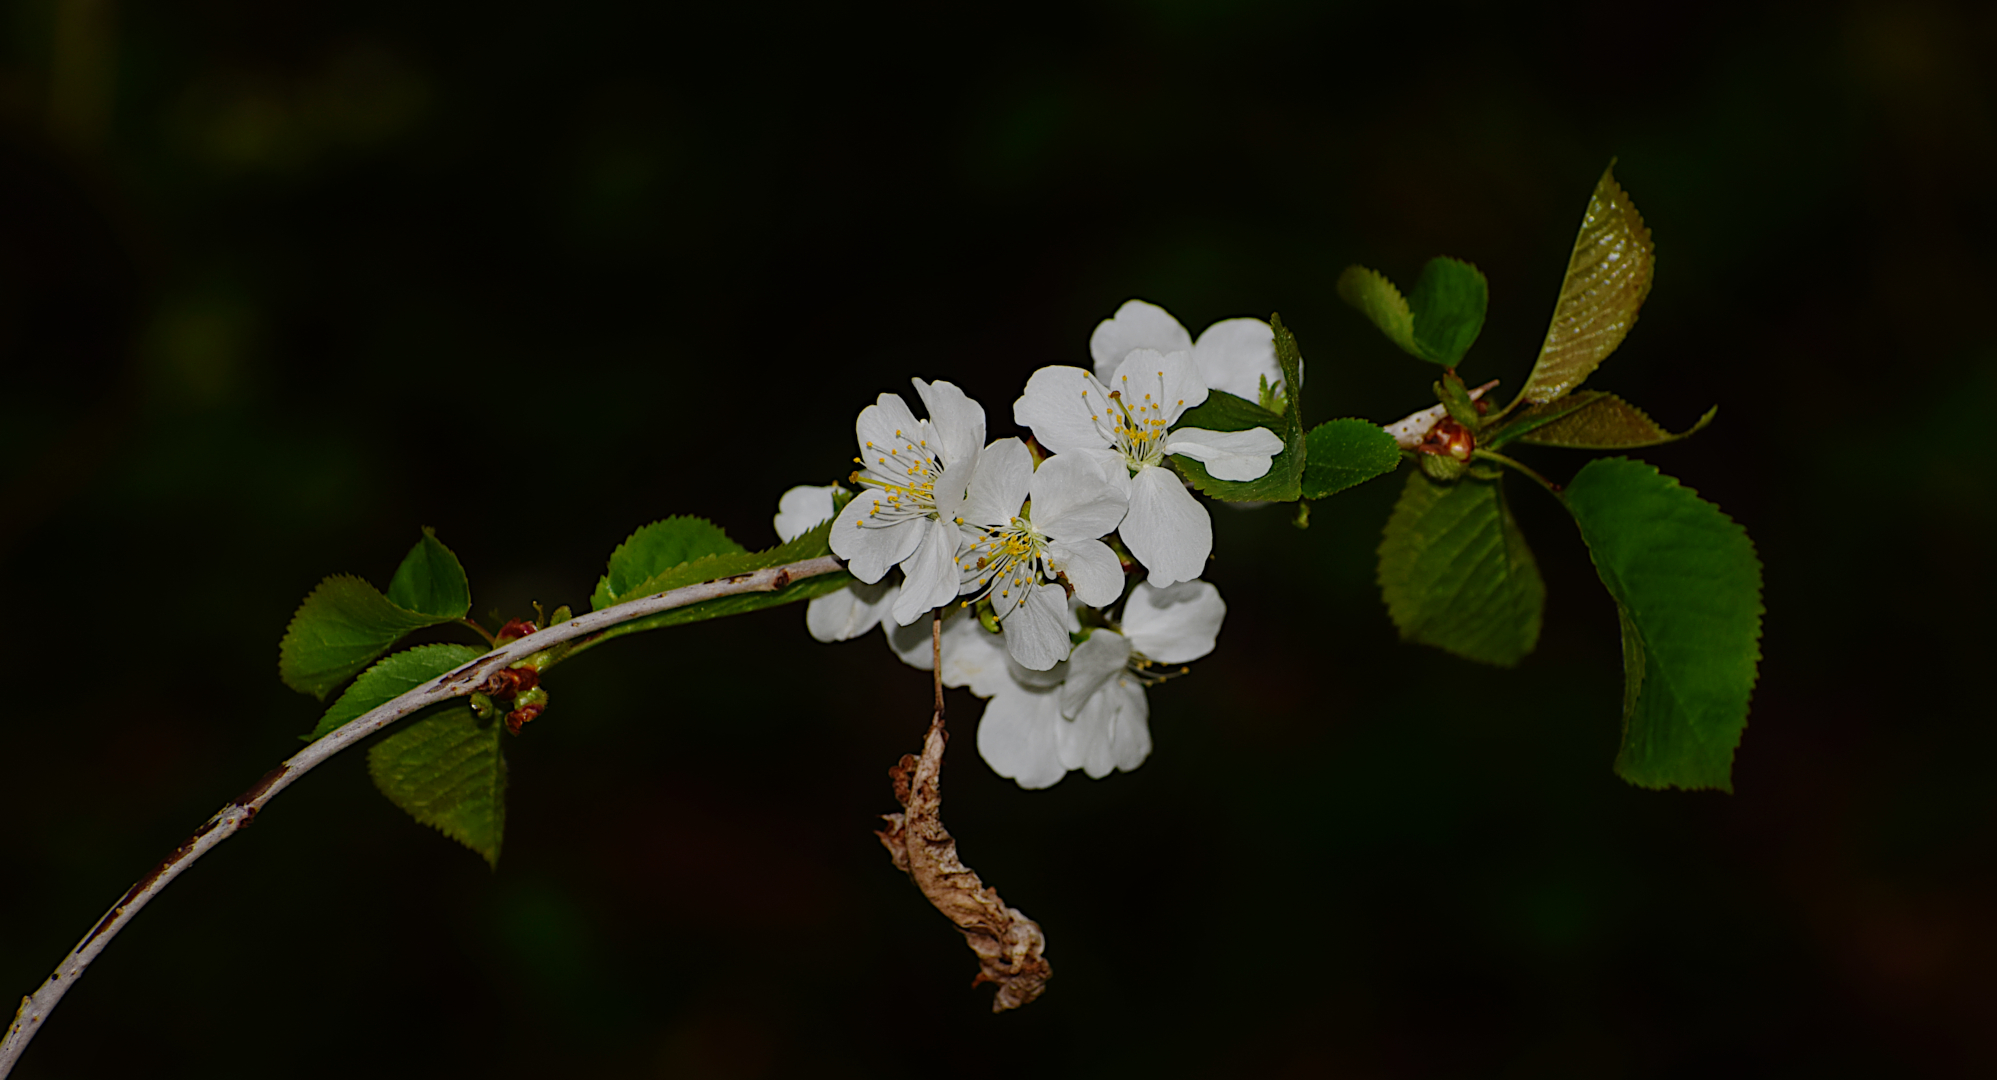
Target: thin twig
[(936, 656), (1552, 488), (243, 809)]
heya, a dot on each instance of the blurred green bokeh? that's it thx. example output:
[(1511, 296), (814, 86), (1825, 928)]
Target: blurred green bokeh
[(280, 283)]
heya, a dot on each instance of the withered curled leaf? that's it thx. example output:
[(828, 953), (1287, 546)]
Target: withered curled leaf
[(1008, 944)]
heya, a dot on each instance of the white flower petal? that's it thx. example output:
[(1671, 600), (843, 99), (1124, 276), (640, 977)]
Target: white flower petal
[(1036, 631), (1075, 499), (1235, 355), (802, 508), (1091, 664), (1167, 380), (952, 486), (1130, 735), (1228, 455), (883, 425), (959, 422), (1064, 408), (1091, 567), (998, 484), (1136, 325), (868, 548), (848, 613), (1017, 736), (930, 574), (1167, 529), (1174, 624)]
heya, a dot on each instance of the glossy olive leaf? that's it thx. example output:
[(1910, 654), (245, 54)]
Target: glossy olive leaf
[(1448, 304), (1687, 585), (807, 545), (390, 678), (1377, 299), (1284, 480), (431, 581), (1456, 572), (654, 552), (1607, 422), (447, 770), (340, 628), (1608, 276), (1347, 453)]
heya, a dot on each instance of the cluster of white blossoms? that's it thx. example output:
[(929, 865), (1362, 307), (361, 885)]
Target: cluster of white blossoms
[(1027, 542)]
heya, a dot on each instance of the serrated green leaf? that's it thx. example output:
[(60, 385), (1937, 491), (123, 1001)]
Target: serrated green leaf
[(654, 552), (340, 628), (1608, 276), (1345, 454), (1447, 305), (806, 545), (1284, 480), (431, 581), (1456, 572), (391, 678), (1377, 299), (1222, 411), (1687, 586), (1605, 422), (448, 771), (1438, 321)]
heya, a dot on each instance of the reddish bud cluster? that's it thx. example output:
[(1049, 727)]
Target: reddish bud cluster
[(1448, 439), (514, 630)]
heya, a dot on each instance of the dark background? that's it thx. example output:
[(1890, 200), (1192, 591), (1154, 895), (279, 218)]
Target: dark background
[(280, 283)]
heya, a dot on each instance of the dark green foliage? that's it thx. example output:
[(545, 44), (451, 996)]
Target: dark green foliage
[(1687, 585), (1605, 422), (391, 678), (345, 623), (1438, 322), (1456, 573), (1345, 454), (447, 769)]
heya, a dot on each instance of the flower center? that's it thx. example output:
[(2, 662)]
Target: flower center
[(899, 476), (1005, 560), (1132, 422)]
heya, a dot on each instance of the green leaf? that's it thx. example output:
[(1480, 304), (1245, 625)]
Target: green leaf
[(1605, 422), (431, 581), (390, 679), (1608, 276), (1284, 480), (448, 771), (1448, 305), (1222, 411), (1456, 572), (654, 552), (1438, 322), (1376, 298), (1687, 587), (340, 628), (807, 545), (1347, 453)]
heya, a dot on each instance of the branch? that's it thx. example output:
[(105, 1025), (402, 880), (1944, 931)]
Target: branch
[(243, 809)]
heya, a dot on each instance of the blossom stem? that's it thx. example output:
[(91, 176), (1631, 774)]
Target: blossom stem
[(459, 682), (490, 641)]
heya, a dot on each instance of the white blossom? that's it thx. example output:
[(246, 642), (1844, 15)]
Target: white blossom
[(1089, 712), (1013, 552), (913, 475), (1128, 424), (1235, 355), (853, 610)]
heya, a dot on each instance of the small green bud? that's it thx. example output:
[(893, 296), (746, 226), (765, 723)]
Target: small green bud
[(1302, 520), (562, 614), (482, 706), (987, 618), (1440, 467), (1456, 398)]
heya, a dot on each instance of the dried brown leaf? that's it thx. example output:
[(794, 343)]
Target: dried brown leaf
[(1008, 943)]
